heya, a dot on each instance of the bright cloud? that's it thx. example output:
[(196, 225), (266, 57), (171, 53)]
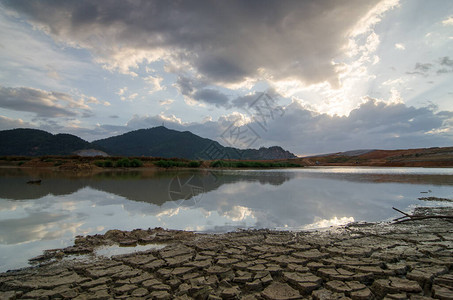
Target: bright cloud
[(400, 46), (448, 21), (155, 83), (166, 102)]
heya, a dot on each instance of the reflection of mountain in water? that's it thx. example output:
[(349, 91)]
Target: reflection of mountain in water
[(152, 187), (157, 187)]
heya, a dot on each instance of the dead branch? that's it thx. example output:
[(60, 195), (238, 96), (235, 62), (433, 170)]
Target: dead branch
[(416, 218), (408, 217)]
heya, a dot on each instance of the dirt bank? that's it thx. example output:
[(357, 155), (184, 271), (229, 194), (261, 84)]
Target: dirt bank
[(360, 261)]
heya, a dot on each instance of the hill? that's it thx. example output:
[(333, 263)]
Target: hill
[(33, 142), (155, 142), (163, 142), (422, 157), (263, 153)]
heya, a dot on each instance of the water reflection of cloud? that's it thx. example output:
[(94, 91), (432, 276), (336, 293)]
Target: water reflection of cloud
[(199, 228), (35, 226), (324, 223), (69, 205), (168, 212), (235, 188), (8, 206), (239, 213), (58, 230), (13, 209)]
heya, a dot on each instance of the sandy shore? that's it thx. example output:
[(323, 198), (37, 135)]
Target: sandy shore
[(412, 260)]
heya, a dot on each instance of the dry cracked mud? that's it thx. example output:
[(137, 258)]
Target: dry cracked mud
[(413, 260)]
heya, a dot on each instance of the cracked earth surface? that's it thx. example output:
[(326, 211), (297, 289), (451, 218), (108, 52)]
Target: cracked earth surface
[(413, 260)]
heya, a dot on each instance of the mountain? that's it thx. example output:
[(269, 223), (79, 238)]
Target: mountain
[(163, 142), (33, 142), (274, 152), (157, 142)]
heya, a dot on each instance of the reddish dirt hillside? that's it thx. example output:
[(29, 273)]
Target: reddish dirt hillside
[(424, 157)]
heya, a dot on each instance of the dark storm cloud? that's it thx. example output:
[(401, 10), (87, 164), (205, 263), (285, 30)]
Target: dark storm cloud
[(42, 103), (423, 67), (247, 102), (187, 86), (225, 41), (444, 65), (446, 61), (197, 90), (211, 96), (444, 71)]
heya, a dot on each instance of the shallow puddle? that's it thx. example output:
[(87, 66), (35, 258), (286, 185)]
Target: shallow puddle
[(109, 251)]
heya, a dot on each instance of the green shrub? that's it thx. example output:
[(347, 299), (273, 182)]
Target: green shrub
[(123, 163), (20, 163), (135, 163), (104, 163), (163, 163), (194, 164)]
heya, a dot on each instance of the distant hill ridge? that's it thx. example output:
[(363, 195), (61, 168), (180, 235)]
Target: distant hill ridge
[(421, 157), (33, 142), (157, 142)]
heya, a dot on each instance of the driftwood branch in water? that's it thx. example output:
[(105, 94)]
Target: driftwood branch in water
[(408, 217)]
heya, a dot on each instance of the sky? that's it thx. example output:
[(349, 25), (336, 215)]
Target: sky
[(310, 76)]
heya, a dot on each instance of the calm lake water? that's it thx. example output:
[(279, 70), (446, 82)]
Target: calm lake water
[(38, 217)]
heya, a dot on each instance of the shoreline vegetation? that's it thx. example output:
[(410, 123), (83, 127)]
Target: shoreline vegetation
[(92, 163), (426, 157), (410, 260)]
